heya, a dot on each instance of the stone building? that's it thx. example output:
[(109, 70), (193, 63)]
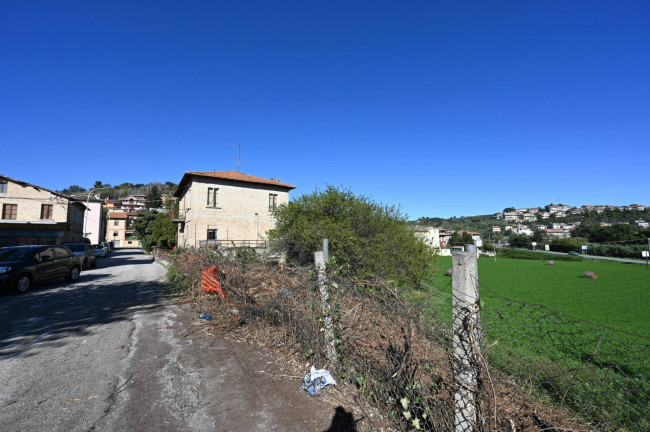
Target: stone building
[(227, 208), (35, 215)]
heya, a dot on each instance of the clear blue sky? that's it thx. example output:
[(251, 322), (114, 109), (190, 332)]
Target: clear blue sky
[(445, 108)]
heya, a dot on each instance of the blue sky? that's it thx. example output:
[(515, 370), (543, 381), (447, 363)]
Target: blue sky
[(444, 108)]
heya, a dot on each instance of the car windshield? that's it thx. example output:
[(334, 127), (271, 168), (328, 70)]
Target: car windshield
[(99, 247), (76, 247), (15, 254)]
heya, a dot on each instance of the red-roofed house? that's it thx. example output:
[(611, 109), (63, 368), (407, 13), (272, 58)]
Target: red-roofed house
[(227, 208)]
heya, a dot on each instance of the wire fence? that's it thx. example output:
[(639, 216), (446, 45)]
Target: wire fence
[(535, 369)]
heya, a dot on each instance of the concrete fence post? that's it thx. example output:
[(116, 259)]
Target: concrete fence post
[(466, 338), (326, 250), (330, 347)]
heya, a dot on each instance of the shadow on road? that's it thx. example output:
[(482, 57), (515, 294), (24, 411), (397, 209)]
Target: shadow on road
[(342, 421), (53, 311)]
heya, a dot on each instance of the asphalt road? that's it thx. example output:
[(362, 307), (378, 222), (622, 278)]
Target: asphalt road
[(112, 353)]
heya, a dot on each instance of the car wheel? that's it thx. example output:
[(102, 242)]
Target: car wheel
[(23, 283), (84, 264), (73, 275)]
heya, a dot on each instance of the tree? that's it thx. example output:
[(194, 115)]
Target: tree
[(154, 199), (155, 230), (459, 238), (508, 209), (74, 189), (365, 237)]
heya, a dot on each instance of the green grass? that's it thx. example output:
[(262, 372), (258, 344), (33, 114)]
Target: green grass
[(603, 375), (619, 298)]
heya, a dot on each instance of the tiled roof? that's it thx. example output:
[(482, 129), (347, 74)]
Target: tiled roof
[(117, 215), (230, 175)]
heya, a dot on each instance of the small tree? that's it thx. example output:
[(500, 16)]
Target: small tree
[(154, 198), (366, 237)]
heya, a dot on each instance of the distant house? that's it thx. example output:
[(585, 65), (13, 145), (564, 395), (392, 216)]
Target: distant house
[(429, 235), (119, 229), (496, 228), (133, 203), (35, 215), (227, 208), (557, 232), (642, 223)]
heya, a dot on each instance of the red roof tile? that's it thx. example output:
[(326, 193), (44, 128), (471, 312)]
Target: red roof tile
[(230, 175)]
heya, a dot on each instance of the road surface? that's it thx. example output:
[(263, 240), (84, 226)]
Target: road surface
[(112, 353)]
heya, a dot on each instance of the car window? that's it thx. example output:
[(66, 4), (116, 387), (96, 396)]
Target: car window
[(47, 253), (15, 254), (76, 247), (60, 252)]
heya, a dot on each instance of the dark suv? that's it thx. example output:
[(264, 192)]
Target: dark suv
[(22, 266), (85, 252)]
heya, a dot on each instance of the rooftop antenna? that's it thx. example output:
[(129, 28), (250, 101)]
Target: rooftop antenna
[(238, 156)]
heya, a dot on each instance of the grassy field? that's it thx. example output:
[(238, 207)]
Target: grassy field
[(602, 375), (619, 298)]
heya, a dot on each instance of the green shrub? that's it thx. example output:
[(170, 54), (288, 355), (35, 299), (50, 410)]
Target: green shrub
[(367, 238)]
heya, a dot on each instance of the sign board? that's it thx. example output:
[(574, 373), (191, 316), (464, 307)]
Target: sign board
[(644, 254), (546, 247), (584, 247), (534, 243)]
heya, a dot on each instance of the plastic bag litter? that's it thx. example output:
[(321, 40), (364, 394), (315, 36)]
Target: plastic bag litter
[(206, 317), (315, 381)]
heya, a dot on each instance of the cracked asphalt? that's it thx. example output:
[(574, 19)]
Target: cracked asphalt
[(111, 353)]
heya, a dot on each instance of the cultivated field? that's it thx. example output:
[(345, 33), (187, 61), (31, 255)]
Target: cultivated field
[(580, 344), (619, 298)]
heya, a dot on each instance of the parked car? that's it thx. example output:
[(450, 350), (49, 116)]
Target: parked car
[(574, 253), (85, 252), (23, 266), (107, 246), (100, 251)]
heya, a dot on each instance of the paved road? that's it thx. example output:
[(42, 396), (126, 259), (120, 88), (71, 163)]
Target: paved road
[(111, 353)]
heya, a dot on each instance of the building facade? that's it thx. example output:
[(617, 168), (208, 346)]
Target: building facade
[(35, 215), (227, 208)]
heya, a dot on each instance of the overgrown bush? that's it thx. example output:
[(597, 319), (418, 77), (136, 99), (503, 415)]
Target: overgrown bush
[(367, 238)]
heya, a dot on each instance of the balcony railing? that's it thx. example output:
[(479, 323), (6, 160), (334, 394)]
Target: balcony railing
[(178, 216)]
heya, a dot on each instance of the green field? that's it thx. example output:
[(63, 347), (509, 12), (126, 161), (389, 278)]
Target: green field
[(619, 298), (586, 349)]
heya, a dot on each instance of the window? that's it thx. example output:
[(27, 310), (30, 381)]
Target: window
[(3, 187), (115, 234), (46, 211), (116, 223), (9, 211), (212, 234), (213, 194), (273, 202), (60, 252)]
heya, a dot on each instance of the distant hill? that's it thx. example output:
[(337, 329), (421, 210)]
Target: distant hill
[(483, 223), (122, 190)]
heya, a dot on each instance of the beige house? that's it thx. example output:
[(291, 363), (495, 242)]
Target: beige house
[(119, 230), (429, 235), (35, 215), (227, 208)]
